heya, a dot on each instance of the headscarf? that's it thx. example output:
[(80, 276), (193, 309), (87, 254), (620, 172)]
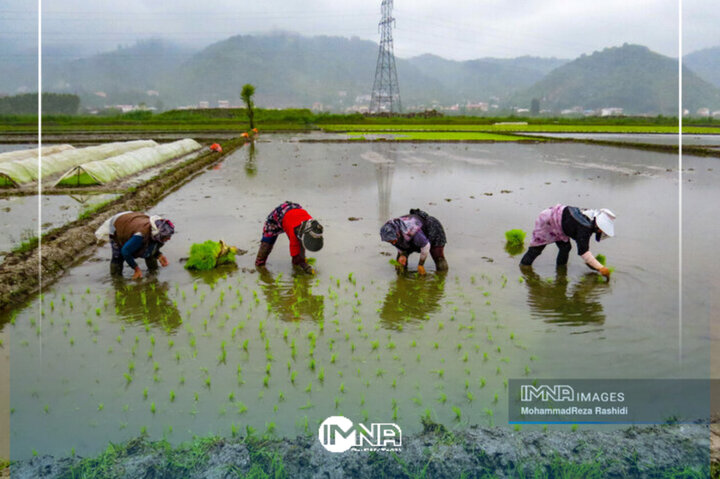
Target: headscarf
[(161, 229), (390, 231)]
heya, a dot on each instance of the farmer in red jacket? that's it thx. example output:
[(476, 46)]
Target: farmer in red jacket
[(302, 230)]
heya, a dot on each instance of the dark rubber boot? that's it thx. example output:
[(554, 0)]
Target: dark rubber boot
[(263, 253), (438, 256), (564, 248), (116, 268), (532, 253)]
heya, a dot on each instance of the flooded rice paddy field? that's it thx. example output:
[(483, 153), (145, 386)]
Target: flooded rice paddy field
[(23, 213), (182, 354), (657, 138)]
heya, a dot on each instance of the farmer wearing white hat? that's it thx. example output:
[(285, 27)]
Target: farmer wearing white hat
[(561, 223)]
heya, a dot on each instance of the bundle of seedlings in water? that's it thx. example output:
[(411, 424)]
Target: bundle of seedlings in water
[(514, 241), (210, 254)]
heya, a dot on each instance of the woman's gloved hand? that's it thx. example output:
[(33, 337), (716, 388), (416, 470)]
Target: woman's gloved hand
[(137, 274), (302, 263), (163, 260), (421, 270), (605, 272), (307, 268)]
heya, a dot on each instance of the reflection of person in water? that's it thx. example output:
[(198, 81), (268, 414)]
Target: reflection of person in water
[(292, 301), (552, 302), (561, 223), (412, 299), (149, 301)]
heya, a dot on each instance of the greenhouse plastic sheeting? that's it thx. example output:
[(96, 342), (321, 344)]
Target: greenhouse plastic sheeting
[(17, 172), (13, 174), (105, 171), (33, 153)]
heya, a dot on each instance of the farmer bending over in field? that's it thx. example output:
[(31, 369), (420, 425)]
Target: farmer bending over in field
[(302, 231), (560, 223), (416, 232), (137, 235)]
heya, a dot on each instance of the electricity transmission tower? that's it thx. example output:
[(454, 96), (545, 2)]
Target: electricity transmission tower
[(385, 92)]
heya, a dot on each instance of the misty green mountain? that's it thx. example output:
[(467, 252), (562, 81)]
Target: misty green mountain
[(124, 75), (630, 77), (291, 70), (706, 63)]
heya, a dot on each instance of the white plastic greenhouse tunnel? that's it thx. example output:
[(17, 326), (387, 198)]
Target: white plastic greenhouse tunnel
[(19, 172), (33, 152), (104, 171)]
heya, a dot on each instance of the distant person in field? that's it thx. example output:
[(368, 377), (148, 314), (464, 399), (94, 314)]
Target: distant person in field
[(416, 232), (560, 223), (302, 230), (136, 235)]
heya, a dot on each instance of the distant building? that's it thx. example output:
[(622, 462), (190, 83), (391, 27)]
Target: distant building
[(572, 111), (152, 93), (101, 94), (703, 112), (611, 111), (716, 114), (357, 109), (317, 106), (203, 104), (477, 106), (342, 93), (223, 104)]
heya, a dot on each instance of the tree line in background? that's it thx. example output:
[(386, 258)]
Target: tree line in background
[(52, 104)]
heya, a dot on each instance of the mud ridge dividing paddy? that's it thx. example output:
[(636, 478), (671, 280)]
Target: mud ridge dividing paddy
[(657, 452)]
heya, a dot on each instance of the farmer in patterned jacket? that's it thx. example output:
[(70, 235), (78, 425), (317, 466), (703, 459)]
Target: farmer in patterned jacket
[(561, 223), (302, 230), (416, 232)]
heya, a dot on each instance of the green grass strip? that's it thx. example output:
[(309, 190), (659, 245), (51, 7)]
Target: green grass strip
[(544, 128), (436, 136)]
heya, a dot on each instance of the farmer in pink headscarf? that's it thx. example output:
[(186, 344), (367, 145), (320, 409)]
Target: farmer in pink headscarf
[(561, 223)]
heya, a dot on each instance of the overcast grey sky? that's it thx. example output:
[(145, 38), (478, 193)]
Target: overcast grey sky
[(457, 29)]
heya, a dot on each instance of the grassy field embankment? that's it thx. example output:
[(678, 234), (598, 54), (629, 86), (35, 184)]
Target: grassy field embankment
[(235, 120)]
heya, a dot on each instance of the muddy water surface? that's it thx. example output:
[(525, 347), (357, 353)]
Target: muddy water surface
[(22, 213), (179, 354)]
